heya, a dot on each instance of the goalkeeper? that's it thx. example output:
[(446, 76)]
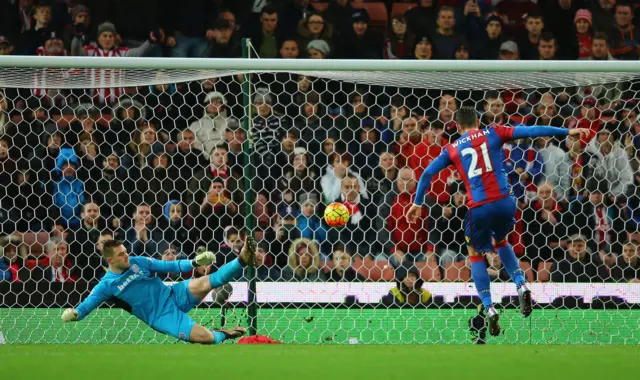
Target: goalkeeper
[(163, 307)]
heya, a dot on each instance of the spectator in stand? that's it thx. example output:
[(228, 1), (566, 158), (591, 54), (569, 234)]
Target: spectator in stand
[(303, 263), (36, 35), (68, 191), (603, 15), (547, 47), (143, 236), (116, 187), (291, 13), (583, 23), (229, 247), (217, 212), (357, 233), (6, 48), (177, 228), (286, 231), (422, 49), (107, 46), (265, 270), (384, 176), (545, 112), (449, 227), (331, 182), (493, 107), (210, 129), (310, 224), (600, 48), (624, 42), (487, 44), (411, 238), (575, 169), (10, 263), (612, 163), (579, 265), (289, 49), (338, 14), (528, 41), (509, 51), (266, 39), (52, 47), (361, 42), (225, 43), (399, 41), (447, 106), (135, 20), (267, 128), (627, 266), (79, 15), (514, 12), (55, 267), (422, 16), (342, 266), (559, 17), (144, 145), (408, 290), (447, 36), (171, 254), (495, 269), (318, 49), (545, 222), (300, 177), (314, 27), (552, 156), (83, 240), (200, 184), (187, 160), (17, 17), (189, 27)]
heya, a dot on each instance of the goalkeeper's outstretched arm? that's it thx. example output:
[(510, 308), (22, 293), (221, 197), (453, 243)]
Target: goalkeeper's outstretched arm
[(181, 266), (98, 295)]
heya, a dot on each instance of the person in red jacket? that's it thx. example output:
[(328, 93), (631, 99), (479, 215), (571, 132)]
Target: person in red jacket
[(55, 267), (413, 238)]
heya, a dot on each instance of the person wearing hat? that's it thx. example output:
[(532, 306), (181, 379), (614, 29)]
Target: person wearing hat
[(80, 19), (6, 48), (360, 42), (612, 162), (408, 289), (225, 44), (579, 265), (582, 21), (462, 51), (31, 39), (53, 45), (210, 129), (424, 13), (488, 44), (318, 49), (509, 51), (422, 49)]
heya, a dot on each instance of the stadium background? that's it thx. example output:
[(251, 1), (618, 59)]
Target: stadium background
[(78, 164)]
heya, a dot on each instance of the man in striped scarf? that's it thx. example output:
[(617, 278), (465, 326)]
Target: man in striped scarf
[(107, 46)]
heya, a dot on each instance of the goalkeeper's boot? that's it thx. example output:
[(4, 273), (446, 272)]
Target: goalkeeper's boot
[(248, 252), (493, 319), (526, 304), (233, 333)]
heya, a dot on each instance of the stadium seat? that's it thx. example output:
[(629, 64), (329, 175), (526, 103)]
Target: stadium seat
[(456, 272), (429, 271), (320, 7), (544, 271), (401, 8), (380, 271), (377, 12)]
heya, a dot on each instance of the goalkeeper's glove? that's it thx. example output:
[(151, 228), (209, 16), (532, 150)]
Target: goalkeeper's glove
[(70, 315), (204, 258)]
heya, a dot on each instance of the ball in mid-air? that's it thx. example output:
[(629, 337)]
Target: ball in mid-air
[(336, 215)]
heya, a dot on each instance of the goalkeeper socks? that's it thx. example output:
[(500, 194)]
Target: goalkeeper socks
[(481, 279), (510, 263), (225, 274), (218, 337)]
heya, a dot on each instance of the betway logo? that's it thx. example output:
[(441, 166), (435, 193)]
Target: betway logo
[(468, 138), (128, 281)]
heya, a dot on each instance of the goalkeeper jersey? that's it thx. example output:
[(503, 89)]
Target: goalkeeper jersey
[(145, 294)]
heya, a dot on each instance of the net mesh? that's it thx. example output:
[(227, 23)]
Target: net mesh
[(155, 158)]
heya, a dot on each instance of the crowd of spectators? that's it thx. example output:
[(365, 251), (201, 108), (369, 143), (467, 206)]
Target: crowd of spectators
[(162, 167)]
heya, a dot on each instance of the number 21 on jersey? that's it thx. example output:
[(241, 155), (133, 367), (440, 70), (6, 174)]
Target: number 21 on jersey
[(474, 170)]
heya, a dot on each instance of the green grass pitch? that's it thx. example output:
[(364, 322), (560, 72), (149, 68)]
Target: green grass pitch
[(307, 362)]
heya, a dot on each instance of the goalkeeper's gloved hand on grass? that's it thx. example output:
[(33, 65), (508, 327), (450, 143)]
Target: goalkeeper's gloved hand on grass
[(70, 315), (204, 257)]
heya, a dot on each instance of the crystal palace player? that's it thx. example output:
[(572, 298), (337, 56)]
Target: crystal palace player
[(163, 307), (477, 156)]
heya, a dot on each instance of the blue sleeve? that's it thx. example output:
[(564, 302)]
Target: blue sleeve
[(98, 295), (435, 167), (538, 131), (159, 266)]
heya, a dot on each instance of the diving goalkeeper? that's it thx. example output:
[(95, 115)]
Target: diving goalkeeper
[(160, 306)]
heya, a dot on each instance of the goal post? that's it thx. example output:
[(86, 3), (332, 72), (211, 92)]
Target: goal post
[(577, 231)]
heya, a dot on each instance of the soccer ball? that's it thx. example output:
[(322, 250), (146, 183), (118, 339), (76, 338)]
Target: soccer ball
[(336, 215)]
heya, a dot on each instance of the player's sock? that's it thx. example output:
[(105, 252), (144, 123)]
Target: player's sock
[(218, 337), (225, 274), (510, 263), (481, 279)]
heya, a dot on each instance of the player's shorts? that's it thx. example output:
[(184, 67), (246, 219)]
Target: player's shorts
[(490, 220), (173, 319)]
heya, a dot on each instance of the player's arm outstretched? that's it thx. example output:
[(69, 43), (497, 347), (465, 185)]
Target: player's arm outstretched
[(435, 167), (98, 295), (539, 131), (203, 258)]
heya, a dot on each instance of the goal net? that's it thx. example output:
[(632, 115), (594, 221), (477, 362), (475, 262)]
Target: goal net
[(172, 155)]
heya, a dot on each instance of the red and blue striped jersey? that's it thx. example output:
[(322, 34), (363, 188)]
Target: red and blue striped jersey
[(478, 158)]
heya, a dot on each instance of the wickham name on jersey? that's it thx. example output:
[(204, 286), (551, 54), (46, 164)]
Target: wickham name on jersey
[(470, 137)]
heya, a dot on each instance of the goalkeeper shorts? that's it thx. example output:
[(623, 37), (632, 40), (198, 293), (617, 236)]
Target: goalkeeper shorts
[(173, 320)]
